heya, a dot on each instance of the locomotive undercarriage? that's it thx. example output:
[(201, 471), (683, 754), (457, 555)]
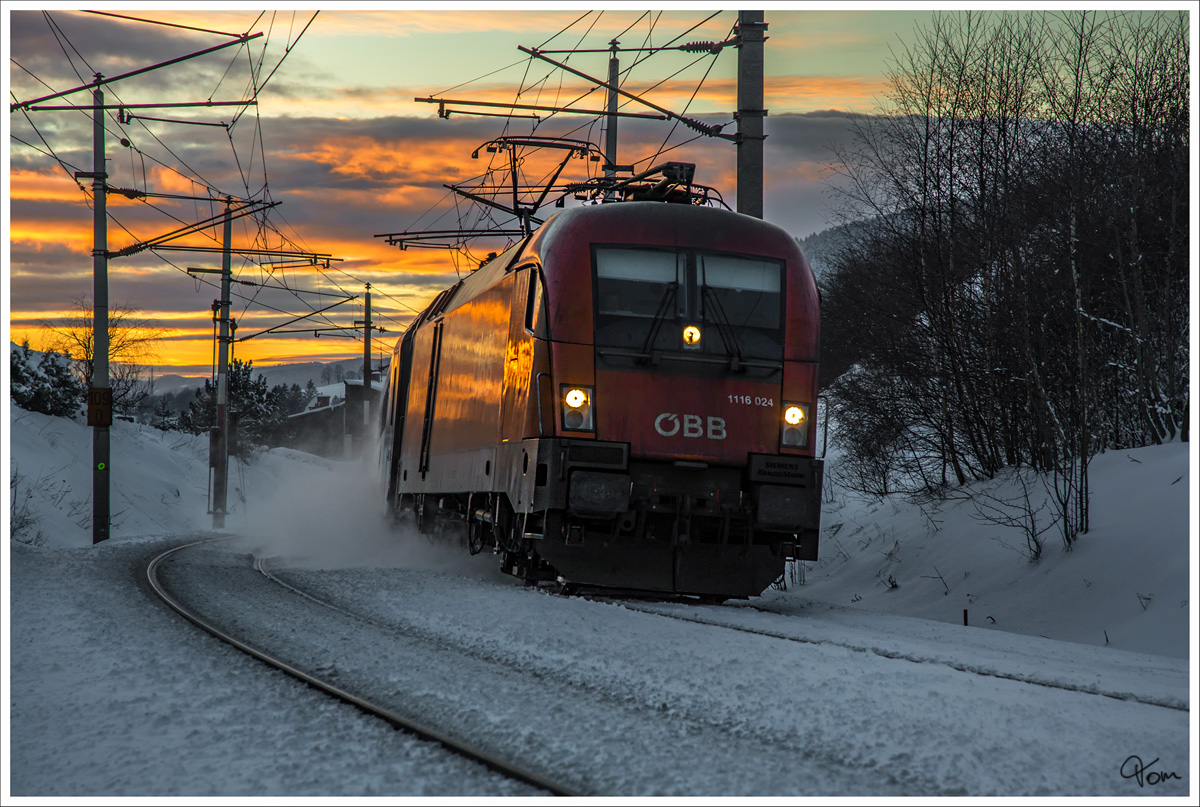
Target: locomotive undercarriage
[(679, 528)]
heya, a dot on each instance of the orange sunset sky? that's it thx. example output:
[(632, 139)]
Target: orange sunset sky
[(338, 140)]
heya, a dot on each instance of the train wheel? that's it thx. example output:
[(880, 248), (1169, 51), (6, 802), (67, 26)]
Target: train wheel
[(475, 537), (504, 526), (425, 516)]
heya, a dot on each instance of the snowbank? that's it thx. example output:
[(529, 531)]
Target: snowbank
[(158, 480), (1125, 583)]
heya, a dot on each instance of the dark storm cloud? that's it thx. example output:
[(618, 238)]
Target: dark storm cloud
[(157, 293), (808, 136), (167, 291), (800, 176), (65, 49), (46, 259)]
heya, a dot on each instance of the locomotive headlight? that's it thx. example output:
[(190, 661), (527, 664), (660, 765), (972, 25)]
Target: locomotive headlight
[(577, 412), (691, 336), (795, 426)]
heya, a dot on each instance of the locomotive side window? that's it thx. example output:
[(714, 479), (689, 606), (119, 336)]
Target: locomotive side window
[(535, 304)]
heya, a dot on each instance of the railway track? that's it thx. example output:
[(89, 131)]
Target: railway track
[(596, 734), (890, 653), (728, 701), (455, 745)]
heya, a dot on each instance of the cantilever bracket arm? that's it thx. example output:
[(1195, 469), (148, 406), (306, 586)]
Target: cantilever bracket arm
[(484, 200), (100, 81), (691, 123), (297, 319), (237, 213), (445, 113)]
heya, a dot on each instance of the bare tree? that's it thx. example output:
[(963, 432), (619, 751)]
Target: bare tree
[(132, 343), (1013, 293), (1022, 511)]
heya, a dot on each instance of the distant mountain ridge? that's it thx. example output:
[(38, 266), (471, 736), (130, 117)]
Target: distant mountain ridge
[(822, 248), (276, 374)]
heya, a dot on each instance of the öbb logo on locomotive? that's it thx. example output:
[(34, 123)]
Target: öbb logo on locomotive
[(668, 425)]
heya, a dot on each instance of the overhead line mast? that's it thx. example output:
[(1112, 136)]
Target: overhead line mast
[(100, 393), (221, 464), (750, 113), (99, 397), (610, 132), (748, 38)]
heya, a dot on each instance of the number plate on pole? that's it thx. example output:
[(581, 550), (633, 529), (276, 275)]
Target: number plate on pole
[(99, 406)]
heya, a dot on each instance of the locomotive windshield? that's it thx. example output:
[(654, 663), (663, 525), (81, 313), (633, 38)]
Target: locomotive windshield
[(635, 282), (745, 290), (645, 298)]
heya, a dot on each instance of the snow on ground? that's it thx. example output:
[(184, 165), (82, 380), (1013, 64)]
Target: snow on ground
[(110, 694), (159, 480), (114, 695), (1125, 583)]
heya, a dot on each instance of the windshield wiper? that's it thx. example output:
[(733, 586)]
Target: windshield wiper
[(728, 334), (660, 315)]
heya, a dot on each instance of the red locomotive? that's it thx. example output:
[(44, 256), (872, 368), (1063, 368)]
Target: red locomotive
[(624, 399)]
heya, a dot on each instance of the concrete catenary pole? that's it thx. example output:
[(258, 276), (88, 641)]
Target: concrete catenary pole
[(750, 113), (610, 136), (366, 367), (100, 394), (220, 447)]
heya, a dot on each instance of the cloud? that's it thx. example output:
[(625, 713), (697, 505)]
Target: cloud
[(44, 185), (64, 49), (811, 93), (347, 153), (47, 240), (342, 182), (808, 137)]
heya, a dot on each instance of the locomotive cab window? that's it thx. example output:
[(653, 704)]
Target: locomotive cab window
[(745, 291), (669, 300), (637, 282), (745, 295)]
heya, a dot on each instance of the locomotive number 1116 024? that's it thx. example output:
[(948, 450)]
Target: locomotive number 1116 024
[(749, 400)]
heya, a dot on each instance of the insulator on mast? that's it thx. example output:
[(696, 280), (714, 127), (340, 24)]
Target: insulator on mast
[(701, 47)]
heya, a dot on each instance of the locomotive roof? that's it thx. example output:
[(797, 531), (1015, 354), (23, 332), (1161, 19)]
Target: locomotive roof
[(661, 222), (624, 222), (481, 279), (564, 243)]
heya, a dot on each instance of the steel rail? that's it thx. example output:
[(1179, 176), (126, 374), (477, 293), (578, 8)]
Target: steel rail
[(423, 732), (892, 654)]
